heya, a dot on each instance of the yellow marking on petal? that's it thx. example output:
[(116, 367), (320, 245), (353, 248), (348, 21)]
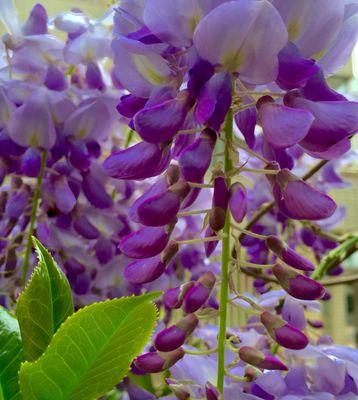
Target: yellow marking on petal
[(34, 139), (145, 67), (319, 55), (294, 29), (232, 60)]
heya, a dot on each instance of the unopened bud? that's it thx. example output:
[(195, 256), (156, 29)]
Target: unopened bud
[(298, 285), (288, 255), (282, 332), (238, 201), (173, 298), (156, 361), (199, 293), (259, 359)]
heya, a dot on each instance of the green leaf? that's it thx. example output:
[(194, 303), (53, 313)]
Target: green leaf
[(92, 350), (11, 356), (45, 303)]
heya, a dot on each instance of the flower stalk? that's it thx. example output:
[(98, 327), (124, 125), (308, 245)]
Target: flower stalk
[(33, 215), (226, 254)]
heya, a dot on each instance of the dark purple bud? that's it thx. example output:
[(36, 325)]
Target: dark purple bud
[(199, 74), (104, 250), (137, 162), (259, 359), (246, 122), (95, 192), (161, 122), (31, 162), (217, 215), (298, 285), (36, 23), (8, 147), (288, 255), (55, 79), (72, 266), (79, 156), (196, 158), (93, 76), (294, 71), (210, 246), (199, 293), (17, 204), (283, 333), (214, 100), (173, 337), (238, 201), (173, 298), (84, 228), (145, 242), (82, 285), (251, 373), (298, 200), (145, 270), (129, 105), (160, 209), (211, 392), (155, 361), (63, 195), (315, 323), (308, 237)]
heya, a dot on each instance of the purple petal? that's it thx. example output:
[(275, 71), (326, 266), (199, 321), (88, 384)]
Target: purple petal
[(284, 126), (94, 77), (237, 34), (31, 124), (84, 228), (238, 202), (31, 162), (199, 74), (63, 195), (104, 250), (36, 23), (144, 271), (214, 101), (145, 242), (298, 200), (129, 105), (196, 158), (55, 79), (161, 122), (246, 122), (294, 71), (312, 26), (139, 160), (95, 192), (293, 312)]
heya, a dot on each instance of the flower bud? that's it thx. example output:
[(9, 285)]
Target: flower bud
[(283, 333), (31, 162), (259, 359), (251, 373), (173, 337), (211, 392), (145, 242), (157, 361), (129, 105), (298, 285), (288, 255), (161, 208), (238, 201), (173, 298), (149, 269), (196, 158), (210, 246), (199, 293), (84, 228), (178, 388), (217, 216)]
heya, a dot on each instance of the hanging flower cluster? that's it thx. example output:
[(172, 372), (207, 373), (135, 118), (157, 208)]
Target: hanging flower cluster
[(185, 146)]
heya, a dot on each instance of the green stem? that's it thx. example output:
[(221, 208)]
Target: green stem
[(226, 252), (33, 215), (335, 257)]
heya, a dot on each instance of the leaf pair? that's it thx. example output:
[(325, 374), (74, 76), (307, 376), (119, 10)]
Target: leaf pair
[(69, 356)]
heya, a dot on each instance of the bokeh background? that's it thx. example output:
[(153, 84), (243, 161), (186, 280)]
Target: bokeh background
[(340, 315)]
